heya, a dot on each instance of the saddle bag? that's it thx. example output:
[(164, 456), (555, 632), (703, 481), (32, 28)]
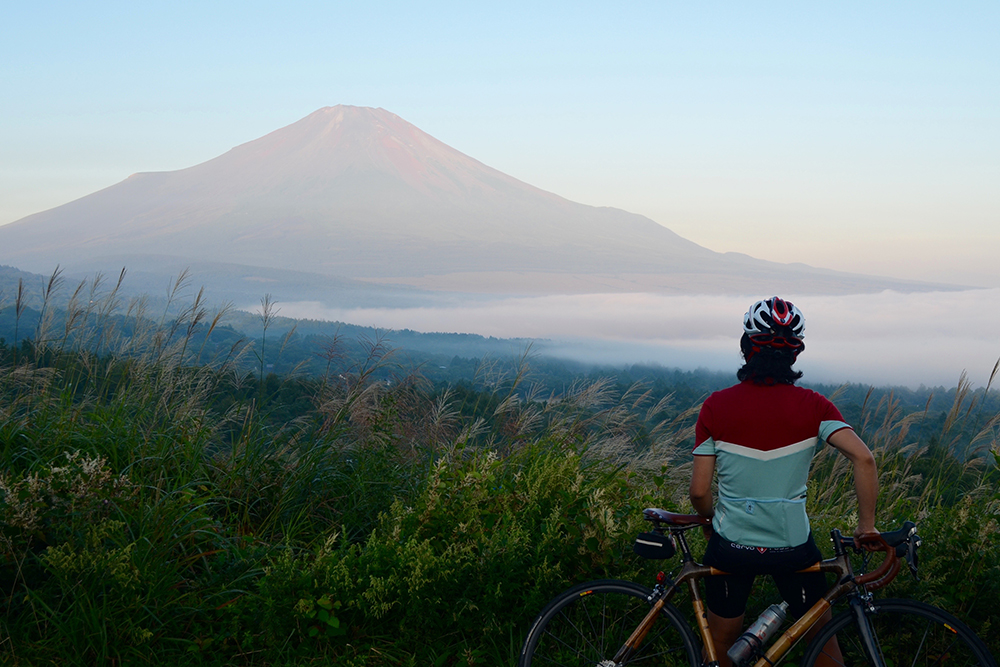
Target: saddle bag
[(654, 546)]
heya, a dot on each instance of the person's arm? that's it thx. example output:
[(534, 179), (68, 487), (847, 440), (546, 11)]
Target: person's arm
[(865, 477), (701, 485)]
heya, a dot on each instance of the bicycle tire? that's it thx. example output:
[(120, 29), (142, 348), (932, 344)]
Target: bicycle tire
[(587, 624), (907, 633)]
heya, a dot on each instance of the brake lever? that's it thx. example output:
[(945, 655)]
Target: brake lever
[(911, 554)]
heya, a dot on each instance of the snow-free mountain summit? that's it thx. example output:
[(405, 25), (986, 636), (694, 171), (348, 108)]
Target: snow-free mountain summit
[(360, 193)]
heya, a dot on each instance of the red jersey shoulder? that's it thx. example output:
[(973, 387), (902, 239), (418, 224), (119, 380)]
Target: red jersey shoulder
[(824, 406), (764, 417)]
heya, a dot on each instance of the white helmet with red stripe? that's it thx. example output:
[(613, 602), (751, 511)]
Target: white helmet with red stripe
[(774, 317)]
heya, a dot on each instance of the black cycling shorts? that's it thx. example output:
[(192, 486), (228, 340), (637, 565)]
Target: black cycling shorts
[(727, 595)]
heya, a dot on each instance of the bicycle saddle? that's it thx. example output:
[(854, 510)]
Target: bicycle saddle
[(656, 514)]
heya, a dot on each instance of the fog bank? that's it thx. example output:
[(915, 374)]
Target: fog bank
[(885, 338)]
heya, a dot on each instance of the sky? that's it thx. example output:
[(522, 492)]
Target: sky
[(856, 136)]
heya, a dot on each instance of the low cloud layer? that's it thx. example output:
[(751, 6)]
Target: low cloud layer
[(885, 338)]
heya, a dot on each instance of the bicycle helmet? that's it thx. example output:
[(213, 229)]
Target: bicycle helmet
[(770, 316), (775, 322)]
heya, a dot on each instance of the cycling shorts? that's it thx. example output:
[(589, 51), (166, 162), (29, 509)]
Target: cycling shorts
[(727, 595)]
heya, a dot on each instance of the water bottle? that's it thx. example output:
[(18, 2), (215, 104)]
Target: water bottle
[(758, 633)]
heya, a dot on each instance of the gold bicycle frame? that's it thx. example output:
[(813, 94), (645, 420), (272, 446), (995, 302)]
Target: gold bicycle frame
[(691, 572)]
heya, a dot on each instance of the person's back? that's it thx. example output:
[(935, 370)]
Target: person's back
[(763, 437), (760, 435)]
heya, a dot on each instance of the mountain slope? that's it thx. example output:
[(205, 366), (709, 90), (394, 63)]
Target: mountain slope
[(360, 193)]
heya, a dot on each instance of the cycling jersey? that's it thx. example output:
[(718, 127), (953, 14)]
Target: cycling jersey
[(764, 438)]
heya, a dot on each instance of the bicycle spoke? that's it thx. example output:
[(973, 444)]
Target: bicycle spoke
[(946, 651), (650, 656), (597, 650), (834, 659), (589, 625), (644, 654), (652, 641), (621, 631), (579, 634), (904, 633), (545, 658), (590, 620), (604, 616), (923, 640)]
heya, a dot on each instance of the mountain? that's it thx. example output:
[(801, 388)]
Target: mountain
[(359, 193)]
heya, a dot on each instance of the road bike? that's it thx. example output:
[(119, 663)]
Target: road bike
[(612, 623)]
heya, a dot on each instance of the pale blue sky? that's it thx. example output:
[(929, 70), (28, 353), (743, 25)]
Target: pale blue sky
[(861, 136)]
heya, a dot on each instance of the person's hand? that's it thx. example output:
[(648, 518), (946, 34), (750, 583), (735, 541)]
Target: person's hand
[(865, 536), (706, 530)]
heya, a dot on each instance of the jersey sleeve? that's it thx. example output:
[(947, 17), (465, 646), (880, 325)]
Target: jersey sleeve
[(831, 420), (704, 445)]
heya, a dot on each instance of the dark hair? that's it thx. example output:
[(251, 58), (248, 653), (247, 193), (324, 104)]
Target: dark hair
[(769, 365)]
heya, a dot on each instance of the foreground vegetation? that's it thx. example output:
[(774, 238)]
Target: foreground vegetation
[(158, 510)]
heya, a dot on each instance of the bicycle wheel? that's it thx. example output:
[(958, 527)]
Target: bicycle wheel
[(906, 633), (586, 625)]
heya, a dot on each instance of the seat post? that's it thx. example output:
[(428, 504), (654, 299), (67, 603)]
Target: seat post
[(678, 535)]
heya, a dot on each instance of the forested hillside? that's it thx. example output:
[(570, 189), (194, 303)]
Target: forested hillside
[(165, 498), (61, 314)]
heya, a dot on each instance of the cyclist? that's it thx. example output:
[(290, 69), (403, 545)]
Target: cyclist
[(760, 435)]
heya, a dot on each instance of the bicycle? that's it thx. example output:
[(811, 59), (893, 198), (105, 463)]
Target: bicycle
[(612, 623)]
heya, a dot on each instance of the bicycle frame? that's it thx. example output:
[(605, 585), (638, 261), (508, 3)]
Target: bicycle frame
[(691, 572)]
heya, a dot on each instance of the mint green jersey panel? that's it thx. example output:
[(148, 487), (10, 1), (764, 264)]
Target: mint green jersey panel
[(762, 494), (778, 521)]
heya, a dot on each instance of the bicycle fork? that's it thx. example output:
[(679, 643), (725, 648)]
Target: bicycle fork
[(861, 607)]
